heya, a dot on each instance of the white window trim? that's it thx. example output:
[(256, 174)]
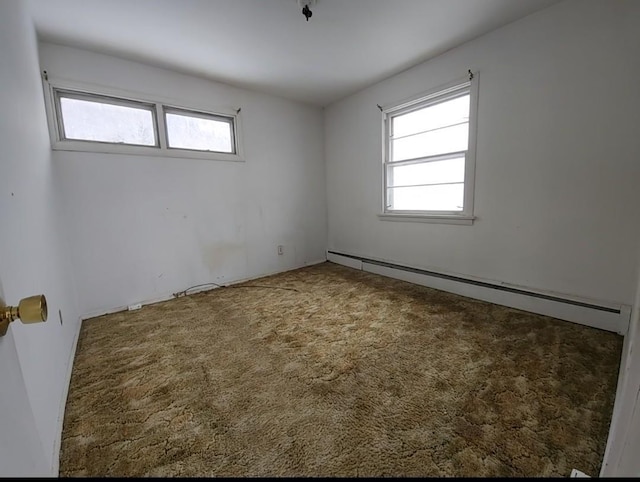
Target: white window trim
[(58, 143), (465, 216), (170, 109), (59, 93)]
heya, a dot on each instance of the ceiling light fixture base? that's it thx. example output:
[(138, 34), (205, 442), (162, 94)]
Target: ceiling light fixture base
[(306, 5)]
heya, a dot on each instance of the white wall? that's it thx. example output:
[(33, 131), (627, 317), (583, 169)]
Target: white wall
[(143, 227), (33, 255), (21, 452), (557, 167), (621, 456)]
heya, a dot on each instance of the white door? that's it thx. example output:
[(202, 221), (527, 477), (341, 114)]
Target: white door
[(21, 452)]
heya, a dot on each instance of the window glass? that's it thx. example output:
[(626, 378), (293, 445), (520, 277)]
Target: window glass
[(432, 143), (438, 115), (444, 197), (199, 132), (435, 172), (90, 120)]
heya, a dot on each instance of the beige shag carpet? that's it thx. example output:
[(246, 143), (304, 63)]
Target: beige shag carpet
[(344, 374)]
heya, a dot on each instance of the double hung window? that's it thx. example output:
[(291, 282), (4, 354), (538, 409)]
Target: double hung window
[(428, 155)]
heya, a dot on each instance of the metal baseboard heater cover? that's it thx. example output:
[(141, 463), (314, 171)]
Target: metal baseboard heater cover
[(484, 284)]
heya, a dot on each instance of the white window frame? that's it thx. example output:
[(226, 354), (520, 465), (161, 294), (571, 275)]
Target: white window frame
[(168, 109), (432, 97), (103, 99), (100, 93)]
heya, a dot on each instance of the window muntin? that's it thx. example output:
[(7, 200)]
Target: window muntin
[(427, 158), (94, 118), (199, 131)]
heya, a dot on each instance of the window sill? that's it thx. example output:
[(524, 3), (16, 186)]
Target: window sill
[(133, 150), (429, 218)]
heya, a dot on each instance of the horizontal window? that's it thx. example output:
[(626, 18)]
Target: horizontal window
[(104, 119), (198, 131), (111, 121)]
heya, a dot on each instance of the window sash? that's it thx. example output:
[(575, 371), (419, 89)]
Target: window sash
[(200, 115), (389, 185), (427, 187), (421, 160), (103, 99)]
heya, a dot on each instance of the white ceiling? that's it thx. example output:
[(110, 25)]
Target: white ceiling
[(267, 45)]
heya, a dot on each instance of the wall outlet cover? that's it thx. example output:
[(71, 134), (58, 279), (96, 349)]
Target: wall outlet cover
[(577, 473), (137, 306)]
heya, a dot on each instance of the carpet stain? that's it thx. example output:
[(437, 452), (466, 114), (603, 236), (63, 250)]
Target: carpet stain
[(353, 374)]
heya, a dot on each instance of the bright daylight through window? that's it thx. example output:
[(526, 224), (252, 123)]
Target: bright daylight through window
[(101, 122), (102, 119), (201, 132), (428, 162)]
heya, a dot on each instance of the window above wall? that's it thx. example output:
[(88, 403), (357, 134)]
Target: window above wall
[(199, 131), (94, 119), (429, 156)]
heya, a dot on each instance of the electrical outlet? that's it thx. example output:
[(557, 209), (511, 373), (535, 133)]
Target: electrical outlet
[(137, 306), (578, 473), (280, 249)]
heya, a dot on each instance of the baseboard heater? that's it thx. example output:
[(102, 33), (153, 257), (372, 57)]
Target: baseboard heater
[(612, 318)]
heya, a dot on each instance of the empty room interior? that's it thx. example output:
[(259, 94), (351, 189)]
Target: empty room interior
[(341, 238)]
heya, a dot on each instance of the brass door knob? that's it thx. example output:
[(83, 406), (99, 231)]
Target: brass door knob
[(33, 309), (30, 310)]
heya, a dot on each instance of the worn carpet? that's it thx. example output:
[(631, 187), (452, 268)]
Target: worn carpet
[(343, 374)]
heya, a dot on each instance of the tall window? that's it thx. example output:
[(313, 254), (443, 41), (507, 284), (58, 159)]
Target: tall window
[(429, 158)]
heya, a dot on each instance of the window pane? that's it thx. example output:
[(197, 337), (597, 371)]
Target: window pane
[(451, 170), (96, 121), (439, 115), (442, 141), (446, 197), (202, 134)]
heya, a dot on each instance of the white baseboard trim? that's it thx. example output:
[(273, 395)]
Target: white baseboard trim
[(594, 313), (169, 296), (117, 309), (55, 464)]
